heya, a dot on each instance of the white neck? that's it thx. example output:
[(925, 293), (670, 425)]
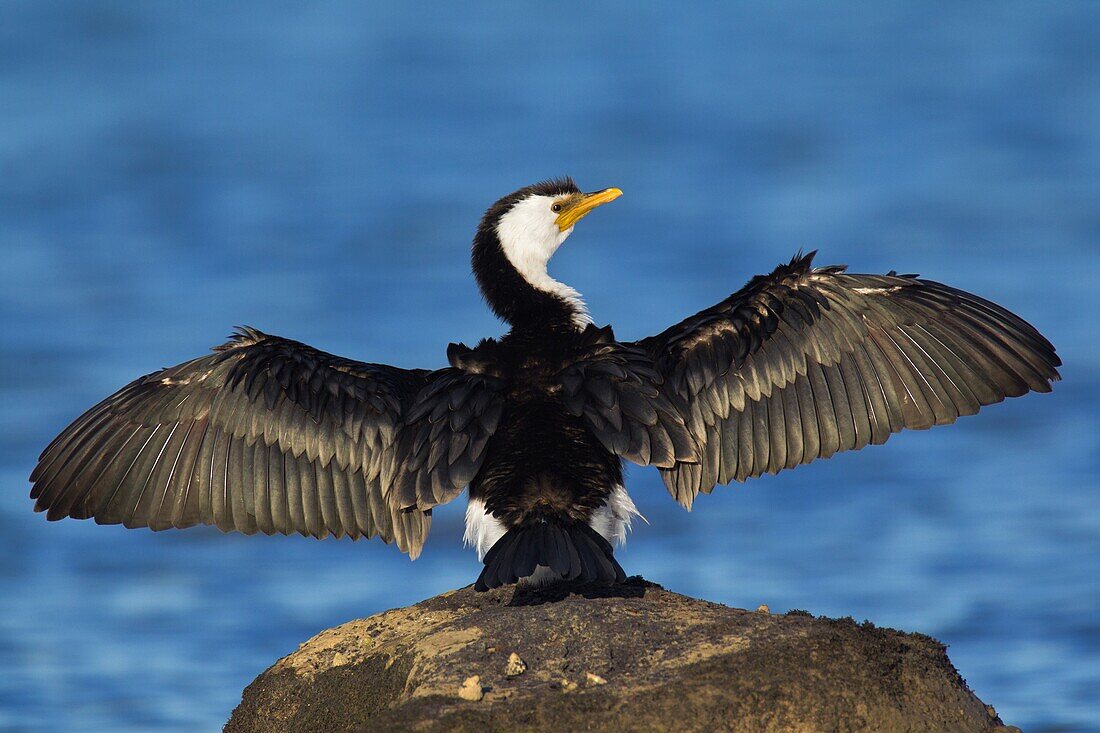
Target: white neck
[(530, 237), (540, 279)]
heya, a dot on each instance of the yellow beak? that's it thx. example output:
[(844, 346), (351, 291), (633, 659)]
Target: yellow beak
[(577, 206)]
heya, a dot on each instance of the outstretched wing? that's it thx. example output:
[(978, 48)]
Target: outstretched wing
[(265, 434), (806, 362)]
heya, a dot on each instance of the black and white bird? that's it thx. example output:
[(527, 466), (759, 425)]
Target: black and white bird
[(270, 435)]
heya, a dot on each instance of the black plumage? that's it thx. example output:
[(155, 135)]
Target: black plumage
[(269, 435)]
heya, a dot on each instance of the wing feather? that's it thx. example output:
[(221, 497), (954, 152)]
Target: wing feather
[(267, 434), (806, 362), (615, 389)]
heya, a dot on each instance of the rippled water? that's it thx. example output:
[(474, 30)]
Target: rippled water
[(316, 170)]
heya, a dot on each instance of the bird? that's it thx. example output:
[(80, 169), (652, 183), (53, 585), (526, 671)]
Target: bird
[(266, 434)]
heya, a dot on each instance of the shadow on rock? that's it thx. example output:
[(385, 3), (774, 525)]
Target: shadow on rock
[(633, 587)]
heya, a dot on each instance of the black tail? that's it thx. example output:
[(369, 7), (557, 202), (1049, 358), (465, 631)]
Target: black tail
[(573, 550)]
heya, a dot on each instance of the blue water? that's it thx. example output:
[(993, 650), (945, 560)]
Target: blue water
[(168, 170)]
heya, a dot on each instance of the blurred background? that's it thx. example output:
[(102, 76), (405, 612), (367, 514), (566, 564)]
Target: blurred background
[(169, 170)]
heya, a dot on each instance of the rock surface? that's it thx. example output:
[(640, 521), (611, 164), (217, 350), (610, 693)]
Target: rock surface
[(633, 657)]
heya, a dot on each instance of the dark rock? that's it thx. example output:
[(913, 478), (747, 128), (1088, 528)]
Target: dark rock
[(668, 662)]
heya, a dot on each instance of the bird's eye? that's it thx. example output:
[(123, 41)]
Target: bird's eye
[(556, 207)]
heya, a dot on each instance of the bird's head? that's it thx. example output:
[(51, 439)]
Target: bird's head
[(514, 243)]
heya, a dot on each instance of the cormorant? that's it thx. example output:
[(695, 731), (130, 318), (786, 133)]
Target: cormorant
[(270, 435)]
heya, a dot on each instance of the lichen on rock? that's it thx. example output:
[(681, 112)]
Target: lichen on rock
[(515, 667)]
